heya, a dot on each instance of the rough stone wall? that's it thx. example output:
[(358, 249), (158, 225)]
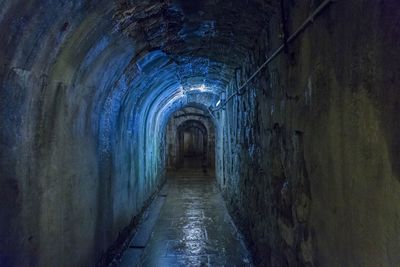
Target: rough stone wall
[(317, 138)]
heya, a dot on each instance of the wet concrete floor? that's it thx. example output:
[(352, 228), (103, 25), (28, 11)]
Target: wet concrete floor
[(193, 227)]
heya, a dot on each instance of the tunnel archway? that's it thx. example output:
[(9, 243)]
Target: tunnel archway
[(191, 133), (87, 89), (192, 141)]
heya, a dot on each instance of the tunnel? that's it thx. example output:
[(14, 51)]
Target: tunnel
[(200, 133), (191, 140)]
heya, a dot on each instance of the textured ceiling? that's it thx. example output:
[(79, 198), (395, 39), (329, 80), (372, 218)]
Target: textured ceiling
[(204, 41), (124, 67)]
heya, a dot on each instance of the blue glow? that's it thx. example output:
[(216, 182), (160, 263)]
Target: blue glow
[(95, 51)]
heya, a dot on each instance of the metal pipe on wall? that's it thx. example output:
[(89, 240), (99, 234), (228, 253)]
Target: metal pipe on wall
[(303, 26)]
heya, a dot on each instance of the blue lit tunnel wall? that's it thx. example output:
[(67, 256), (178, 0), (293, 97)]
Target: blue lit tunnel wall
[(84, 111), (62, 87), (87, 89)]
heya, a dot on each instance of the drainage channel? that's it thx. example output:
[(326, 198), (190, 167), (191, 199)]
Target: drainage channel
[(132, 255)]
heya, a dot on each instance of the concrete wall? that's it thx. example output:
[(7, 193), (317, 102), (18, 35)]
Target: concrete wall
[(317, 136), (73, 172)]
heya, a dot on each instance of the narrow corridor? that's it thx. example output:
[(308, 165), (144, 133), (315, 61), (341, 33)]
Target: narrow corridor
[(132, 131), (193, 227)]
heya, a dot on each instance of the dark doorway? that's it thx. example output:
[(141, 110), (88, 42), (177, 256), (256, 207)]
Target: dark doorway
[(193, 146), (191, 140)]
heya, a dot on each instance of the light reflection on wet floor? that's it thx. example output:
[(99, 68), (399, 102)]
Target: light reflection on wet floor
[(194, 228)]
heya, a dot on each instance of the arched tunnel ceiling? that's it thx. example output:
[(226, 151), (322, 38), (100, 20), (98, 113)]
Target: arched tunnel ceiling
[(132, 63), (184, 45), (211, 29), (146, 55)]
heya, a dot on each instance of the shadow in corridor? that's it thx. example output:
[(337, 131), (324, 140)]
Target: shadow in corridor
[(188, 223), (194, 163), (193, 227)]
